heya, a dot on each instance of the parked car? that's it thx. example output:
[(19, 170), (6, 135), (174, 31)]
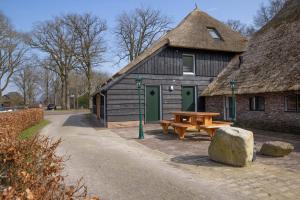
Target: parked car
[(2, 109), (51, 106)]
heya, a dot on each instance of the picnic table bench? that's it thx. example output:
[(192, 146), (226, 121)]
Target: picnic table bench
[(198, 120), (180, 128), (212, 128), (165, 125)]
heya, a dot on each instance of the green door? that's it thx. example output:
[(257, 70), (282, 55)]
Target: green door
[(152, 104), (188, 98)]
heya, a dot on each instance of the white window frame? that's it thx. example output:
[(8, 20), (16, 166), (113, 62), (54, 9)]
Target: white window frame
[(215, 31), (194, 64)]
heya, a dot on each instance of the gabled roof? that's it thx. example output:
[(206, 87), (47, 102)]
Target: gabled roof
[(192, 33), (272, 60)]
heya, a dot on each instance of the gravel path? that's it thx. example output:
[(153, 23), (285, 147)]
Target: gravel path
[(115, 168)]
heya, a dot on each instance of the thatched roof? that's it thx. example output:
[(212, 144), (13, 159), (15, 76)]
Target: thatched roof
[(272, 60), (192, 33)]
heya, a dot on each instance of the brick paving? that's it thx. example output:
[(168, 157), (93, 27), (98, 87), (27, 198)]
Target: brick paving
[(266, 178)]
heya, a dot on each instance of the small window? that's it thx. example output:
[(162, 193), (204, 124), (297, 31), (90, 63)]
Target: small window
[(214, 33), (257, 103), (188, 64), (292, 103)]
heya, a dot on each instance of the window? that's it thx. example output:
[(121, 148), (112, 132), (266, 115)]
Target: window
[(292, 103), (257, 103), (214, 33), (188, 64)]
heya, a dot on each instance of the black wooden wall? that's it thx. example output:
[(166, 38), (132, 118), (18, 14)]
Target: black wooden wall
[(164, 69), (169, 62)]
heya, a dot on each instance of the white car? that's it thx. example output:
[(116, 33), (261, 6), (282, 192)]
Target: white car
[(2, 110)]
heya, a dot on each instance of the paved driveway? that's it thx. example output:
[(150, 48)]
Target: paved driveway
[(117, 168), (267, 178)]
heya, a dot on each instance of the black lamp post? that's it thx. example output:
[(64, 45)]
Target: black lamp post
[(138, 81), (233, 86)]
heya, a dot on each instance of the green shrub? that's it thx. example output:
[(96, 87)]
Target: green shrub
[(83, 101)]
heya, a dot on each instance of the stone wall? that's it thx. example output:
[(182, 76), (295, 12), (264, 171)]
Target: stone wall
[(273, 118)]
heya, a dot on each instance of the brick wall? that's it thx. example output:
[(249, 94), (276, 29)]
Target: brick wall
[(215, 104), (273, 118)]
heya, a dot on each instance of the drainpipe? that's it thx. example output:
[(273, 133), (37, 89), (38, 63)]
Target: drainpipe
[(104, 118)]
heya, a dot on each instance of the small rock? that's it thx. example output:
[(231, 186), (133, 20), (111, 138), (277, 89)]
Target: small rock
[(233, 146), (276, 148)]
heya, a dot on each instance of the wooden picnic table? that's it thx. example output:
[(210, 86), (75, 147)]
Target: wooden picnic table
[(195, 117), (199, 120)]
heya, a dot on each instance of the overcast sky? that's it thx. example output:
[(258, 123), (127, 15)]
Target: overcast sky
[(23, 14)]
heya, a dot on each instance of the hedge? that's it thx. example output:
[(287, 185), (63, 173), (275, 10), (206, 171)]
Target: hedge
[(30, 169), (21, 120)]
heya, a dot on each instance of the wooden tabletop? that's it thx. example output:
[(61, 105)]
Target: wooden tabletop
[(196, 113)]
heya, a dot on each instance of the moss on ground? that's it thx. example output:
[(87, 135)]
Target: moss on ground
[(32, 131)]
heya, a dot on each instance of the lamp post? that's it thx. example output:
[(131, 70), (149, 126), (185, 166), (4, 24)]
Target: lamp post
[(233, 86), (138, 81)]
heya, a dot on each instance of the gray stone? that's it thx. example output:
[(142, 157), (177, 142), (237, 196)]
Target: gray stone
[(276, 148), (233, 146)]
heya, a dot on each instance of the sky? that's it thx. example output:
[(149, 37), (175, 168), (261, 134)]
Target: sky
[(23, 14)]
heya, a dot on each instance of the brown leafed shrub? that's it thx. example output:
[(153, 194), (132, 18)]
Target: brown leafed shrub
[(30, 169), (21, 120)]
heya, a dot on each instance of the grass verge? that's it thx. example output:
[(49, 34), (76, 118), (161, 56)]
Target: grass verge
[(32, 131)]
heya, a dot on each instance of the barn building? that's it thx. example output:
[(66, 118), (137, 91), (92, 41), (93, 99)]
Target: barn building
[(267, 77), (175, 71)]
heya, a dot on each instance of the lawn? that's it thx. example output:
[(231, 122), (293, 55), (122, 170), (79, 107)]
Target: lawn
[(32, 131)]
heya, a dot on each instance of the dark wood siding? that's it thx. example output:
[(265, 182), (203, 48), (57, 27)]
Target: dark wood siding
[(163, 69), (211, 64), (122, 99), (166, 62), (169, 62)]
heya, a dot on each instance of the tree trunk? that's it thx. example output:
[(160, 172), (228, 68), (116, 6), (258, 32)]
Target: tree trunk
[(67, 92), (47, 90), (89, 94), (76, 99), (89, 79), (62, 97), (24, 97), (0, 97)]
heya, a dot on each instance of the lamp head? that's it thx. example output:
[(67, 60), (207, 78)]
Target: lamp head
[(233, 84), (138, 81)]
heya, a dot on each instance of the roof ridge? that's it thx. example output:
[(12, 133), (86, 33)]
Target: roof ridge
[(191, 33)]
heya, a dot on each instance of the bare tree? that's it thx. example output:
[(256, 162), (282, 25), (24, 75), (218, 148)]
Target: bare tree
[(47, 84), (12, 52), (136, 31), (55, 88), (267, 12), (98, 79), (27, 81), (90, 45), (57, 40), (244, 29)]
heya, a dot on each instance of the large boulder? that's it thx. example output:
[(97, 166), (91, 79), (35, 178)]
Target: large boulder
[(233, 146), (276, 148)]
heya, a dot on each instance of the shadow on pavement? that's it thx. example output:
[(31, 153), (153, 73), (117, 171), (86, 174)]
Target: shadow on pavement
[(197, 160), (83, 120), (190, 136)]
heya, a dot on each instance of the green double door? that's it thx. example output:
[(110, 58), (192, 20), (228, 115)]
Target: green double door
[(152, 104), (188, 98)]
